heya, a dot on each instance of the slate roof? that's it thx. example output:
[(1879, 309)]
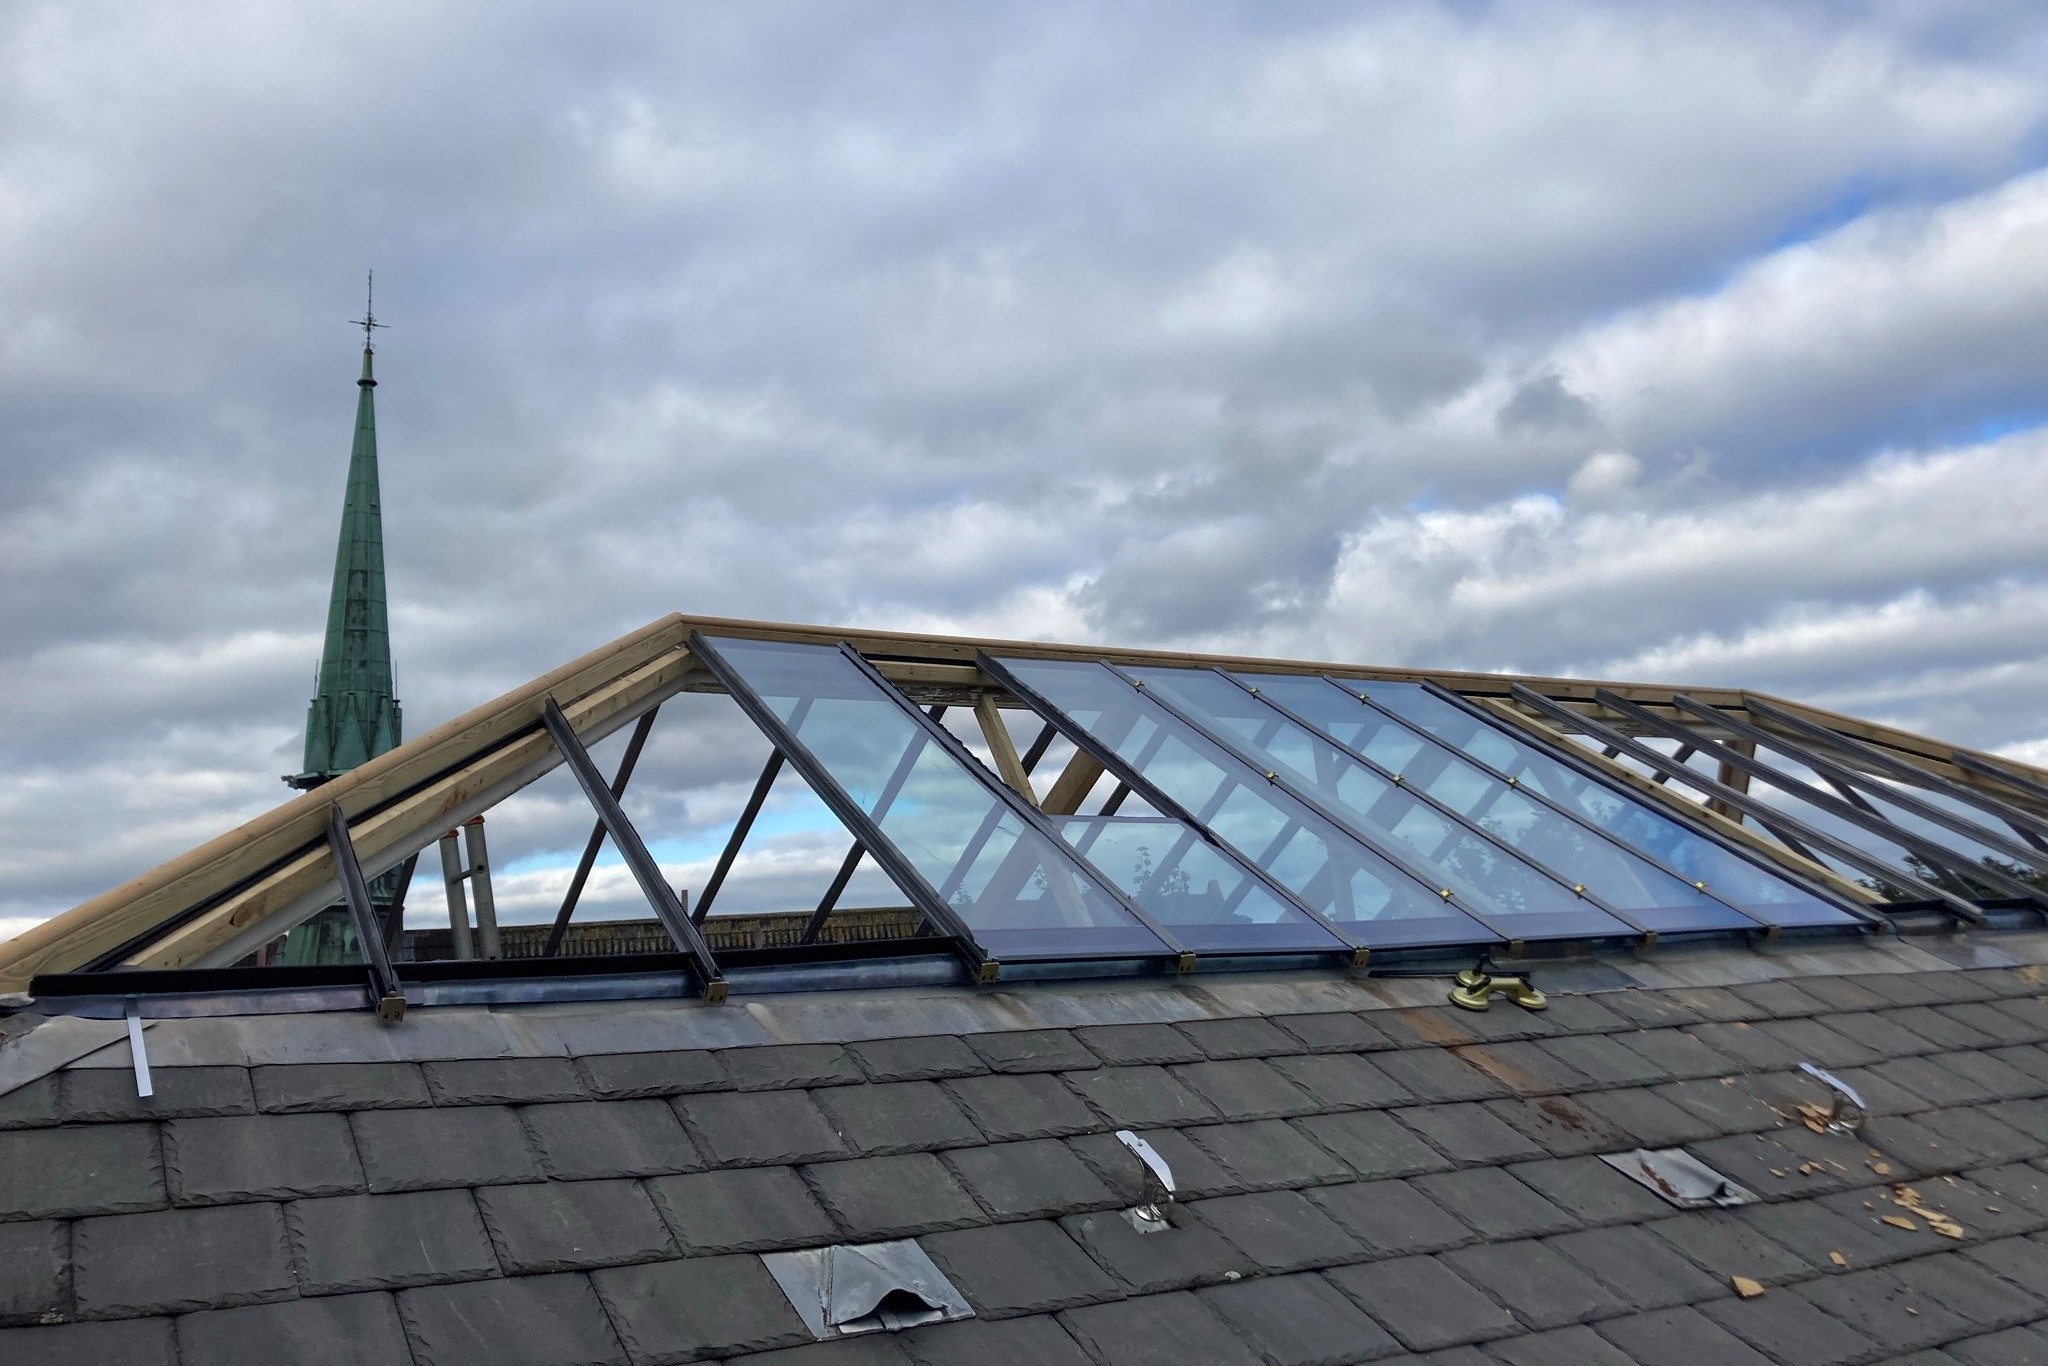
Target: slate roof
[(1395, 1185)]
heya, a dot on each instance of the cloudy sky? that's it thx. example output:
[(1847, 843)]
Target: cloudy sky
[(1691, 342)]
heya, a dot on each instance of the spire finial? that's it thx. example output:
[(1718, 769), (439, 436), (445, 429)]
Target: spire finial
[(369, 318)]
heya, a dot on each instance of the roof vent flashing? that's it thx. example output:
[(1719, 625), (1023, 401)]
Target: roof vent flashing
[(849, 1289), (1680, 1178)]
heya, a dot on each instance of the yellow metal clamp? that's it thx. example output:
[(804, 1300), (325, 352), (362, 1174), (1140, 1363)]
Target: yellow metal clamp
[(1476, 990)]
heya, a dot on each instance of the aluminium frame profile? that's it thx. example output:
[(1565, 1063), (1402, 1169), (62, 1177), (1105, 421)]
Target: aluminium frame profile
[(1760, 811), (387, 996), (1452, 753), (1028, 811), (660, 896), (982, 968), (1939, 856), (900, 775), (1131, 777), (1584, 765), (591, 848), (2027, 825), (1999, 773), (1842, 776), (1457, 818)]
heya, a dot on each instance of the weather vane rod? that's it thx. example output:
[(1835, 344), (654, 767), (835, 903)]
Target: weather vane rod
[(369, 318)]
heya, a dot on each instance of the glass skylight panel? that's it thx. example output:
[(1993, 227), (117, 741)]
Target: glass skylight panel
[(1486, 875), (1376, 901), (1648, 894), (1208, 900), (1019, 890), (1774, 899)]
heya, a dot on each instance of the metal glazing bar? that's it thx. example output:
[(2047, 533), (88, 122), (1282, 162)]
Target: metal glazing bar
[(461, 942), (739, 834), (1882, 868), (1684, 752), (2018, 782), (1931, 850), (1002, 792), (388, 995), (890, 791), (850, 814), (634, 744), (1133, 778), (1847, 779), (1871, 757), (1116, 800), (1040, 746), (1584, 766), (827, 902), (1451, 752), (1455, 818), (662, 897), (480, 889)]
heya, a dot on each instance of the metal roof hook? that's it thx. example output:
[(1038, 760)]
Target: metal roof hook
[(1846, 1111), (1159, 1186)]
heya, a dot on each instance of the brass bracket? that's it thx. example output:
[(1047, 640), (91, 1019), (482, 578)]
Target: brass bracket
[(987, 973), (1184, 964), (391, 1009), (714, 992), (1476, 990)]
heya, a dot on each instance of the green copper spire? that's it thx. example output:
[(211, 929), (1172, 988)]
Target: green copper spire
[(353, 716)]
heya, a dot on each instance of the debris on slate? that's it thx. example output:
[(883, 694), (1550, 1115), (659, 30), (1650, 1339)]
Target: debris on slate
[(1746, 1287)]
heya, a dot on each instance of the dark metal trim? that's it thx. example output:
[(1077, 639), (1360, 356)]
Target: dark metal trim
[(2030, 826), (1931, 850), (740, 828), (1848, 853), (2018, 782), (660, 896), (843, 806), (386, 996), (1544, 799), (634, 745)]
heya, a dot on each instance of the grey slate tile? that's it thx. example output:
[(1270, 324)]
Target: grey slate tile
[(524, 1321), (1559, 1125), (1940, 1027), (1590, 1191), (1435, 1074), (1780, 998), (1749, 1047), (1033, 1179), (1603, 1061), (1944, 1079), (1439, 1027), (1865, 1207), (1787, 1326), (2011, 1347), (85, 1169), (383, 1242), (1342, 1081), (1032, 1050), (1026, 1268), (1643, 1116), (1651, 1009), (1299, 1321), (1281, 1231), (618, 1076), (1588, 1014), (1158, 1330), (1966, 1288), (1335, 1031), (917, 1059), (1468, 1134), (1540, 1288), (1373, 1144), (1811, 1230), (1245, 1088), (1187, 1254), (1840, 994), (896, 1117), (1195, 1172), (1881, 1034), (505, 1081), (129, 1342), (256, 1157), (1524, 1068), (1678, 1337), (1877, 1301), (1576, 1346), (2023, 1261), (302, 1087), (1391, 1218), (33, 1106), (782, 1066), (1422, 1302), (102, 1094), (1736, 1107), (1494, 1203), (1268, 1153), (1774, 1169), (35, 1262), (758, 1128), (1815, 1042), (477, 1145), (892, 1197), (1133, 1044), (1643, 1270), (1723, 1245), (1715, 1003), (589, 1139), (705, 1307), (168, 1261), (744, 1210), (1037, 1341), (568, 1225), (332, 1330), (873, 1349), (1140, 1097), (1036, 1105), (1244, 1037)]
